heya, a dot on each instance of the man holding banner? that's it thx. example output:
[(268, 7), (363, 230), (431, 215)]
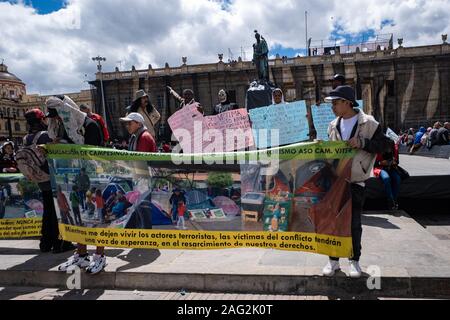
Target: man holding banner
[(363, 133)]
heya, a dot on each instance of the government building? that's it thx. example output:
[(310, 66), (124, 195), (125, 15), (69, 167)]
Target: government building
[(402, 88)]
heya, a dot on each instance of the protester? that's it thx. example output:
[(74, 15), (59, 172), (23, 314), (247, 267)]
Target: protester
[(75, 204), (443, 135), (144, 107), (386, 169), (177, 197), (417, 141), (8, 162), (64, 207), (277, 96), (364, 134), (83, 183), (50, 237), (224, 103), (75, 127), (187, 99), (141, 140), (97, 118), (425, 139), (432, 140)]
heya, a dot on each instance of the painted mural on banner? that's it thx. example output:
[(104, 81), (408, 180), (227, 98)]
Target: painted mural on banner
[(303, 204), (21, 207)]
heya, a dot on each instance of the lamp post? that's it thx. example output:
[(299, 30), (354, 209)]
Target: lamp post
[(8, 118), (99, 68)]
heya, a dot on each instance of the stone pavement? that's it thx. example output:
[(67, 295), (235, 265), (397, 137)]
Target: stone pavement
[(413, 263)]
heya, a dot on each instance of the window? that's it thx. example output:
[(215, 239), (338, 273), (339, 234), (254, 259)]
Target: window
[(391, 88), (160, 102), (232, 96), (111, 105), (7, 126), (12, 94), (17, 127), (128, 101)]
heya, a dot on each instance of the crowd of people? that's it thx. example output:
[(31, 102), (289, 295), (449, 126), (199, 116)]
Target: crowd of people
[(438, 135)]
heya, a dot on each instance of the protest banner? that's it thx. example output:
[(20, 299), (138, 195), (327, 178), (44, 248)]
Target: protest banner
[(289, 121), (186, 125), (304, 206), (21, 207)]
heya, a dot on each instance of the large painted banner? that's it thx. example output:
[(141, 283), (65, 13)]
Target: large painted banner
[(292, 198)]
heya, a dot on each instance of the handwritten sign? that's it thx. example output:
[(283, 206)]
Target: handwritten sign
[(323, 115), (227, 132), (288, 119), (186, 125), (234, 127)]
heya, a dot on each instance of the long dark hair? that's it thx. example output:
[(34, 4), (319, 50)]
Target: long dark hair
[(137, 104), (36, 126)]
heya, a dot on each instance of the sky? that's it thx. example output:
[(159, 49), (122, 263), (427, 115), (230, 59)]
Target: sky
[(49, 43)]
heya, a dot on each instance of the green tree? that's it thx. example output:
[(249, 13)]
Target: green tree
[(220, 179)]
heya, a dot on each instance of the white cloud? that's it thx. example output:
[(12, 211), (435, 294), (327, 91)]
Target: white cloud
[(51, 53)]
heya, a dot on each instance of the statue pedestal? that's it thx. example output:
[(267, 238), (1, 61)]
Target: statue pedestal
[(259, 95)]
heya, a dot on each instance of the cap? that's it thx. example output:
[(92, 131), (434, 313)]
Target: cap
[(133, 117), (34, 114), (343, 92), (339, 77)]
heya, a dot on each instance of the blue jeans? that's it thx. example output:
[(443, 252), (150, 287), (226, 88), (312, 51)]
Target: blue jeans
[(392, 181)]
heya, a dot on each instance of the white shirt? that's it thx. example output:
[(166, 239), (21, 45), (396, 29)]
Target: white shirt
[(347, 126)]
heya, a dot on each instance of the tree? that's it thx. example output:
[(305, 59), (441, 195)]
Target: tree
[(220, 179)]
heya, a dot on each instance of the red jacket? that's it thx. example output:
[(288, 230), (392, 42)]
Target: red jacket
[(146, 143), (97, 118)]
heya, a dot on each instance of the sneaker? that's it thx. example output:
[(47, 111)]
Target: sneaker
[(75, 261), (97, 265), (355, 270), (331, 268)]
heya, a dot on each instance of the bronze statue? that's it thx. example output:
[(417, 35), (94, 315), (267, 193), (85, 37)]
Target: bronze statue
[(261, 57)]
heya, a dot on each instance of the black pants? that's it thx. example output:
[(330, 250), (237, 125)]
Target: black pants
[(50, 231), (358, 197)]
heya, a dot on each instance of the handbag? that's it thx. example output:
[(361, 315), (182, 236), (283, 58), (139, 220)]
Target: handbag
[(404, 175)]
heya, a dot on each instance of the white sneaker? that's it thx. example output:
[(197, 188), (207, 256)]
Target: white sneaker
[(355, 270), (75, 261), (97, 265), (331, 268)]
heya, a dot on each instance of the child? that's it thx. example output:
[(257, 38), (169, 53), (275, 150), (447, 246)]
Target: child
[(100, 205), (181, 212), (89, 201), (75, 202), (64, 208)]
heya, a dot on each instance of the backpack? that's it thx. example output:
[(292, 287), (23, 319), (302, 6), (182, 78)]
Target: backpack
[(31, 161)]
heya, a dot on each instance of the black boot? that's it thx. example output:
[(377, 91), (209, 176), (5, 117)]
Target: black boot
[(63, 246)]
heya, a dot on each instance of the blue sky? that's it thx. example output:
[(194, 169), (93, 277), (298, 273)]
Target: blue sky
[(42, 6), (51, 49)]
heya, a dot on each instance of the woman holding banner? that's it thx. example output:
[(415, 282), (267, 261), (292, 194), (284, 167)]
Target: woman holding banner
[(68, 124)]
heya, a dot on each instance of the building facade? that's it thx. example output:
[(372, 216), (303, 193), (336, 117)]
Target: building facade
[(14, 103), (402, 88)]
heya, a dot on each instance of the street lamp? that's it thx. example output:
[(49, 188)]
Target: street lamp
[(8, 118), (99, 68)]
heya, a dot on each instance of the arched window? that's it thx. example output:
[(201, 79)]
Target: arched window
[(17, 127)]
